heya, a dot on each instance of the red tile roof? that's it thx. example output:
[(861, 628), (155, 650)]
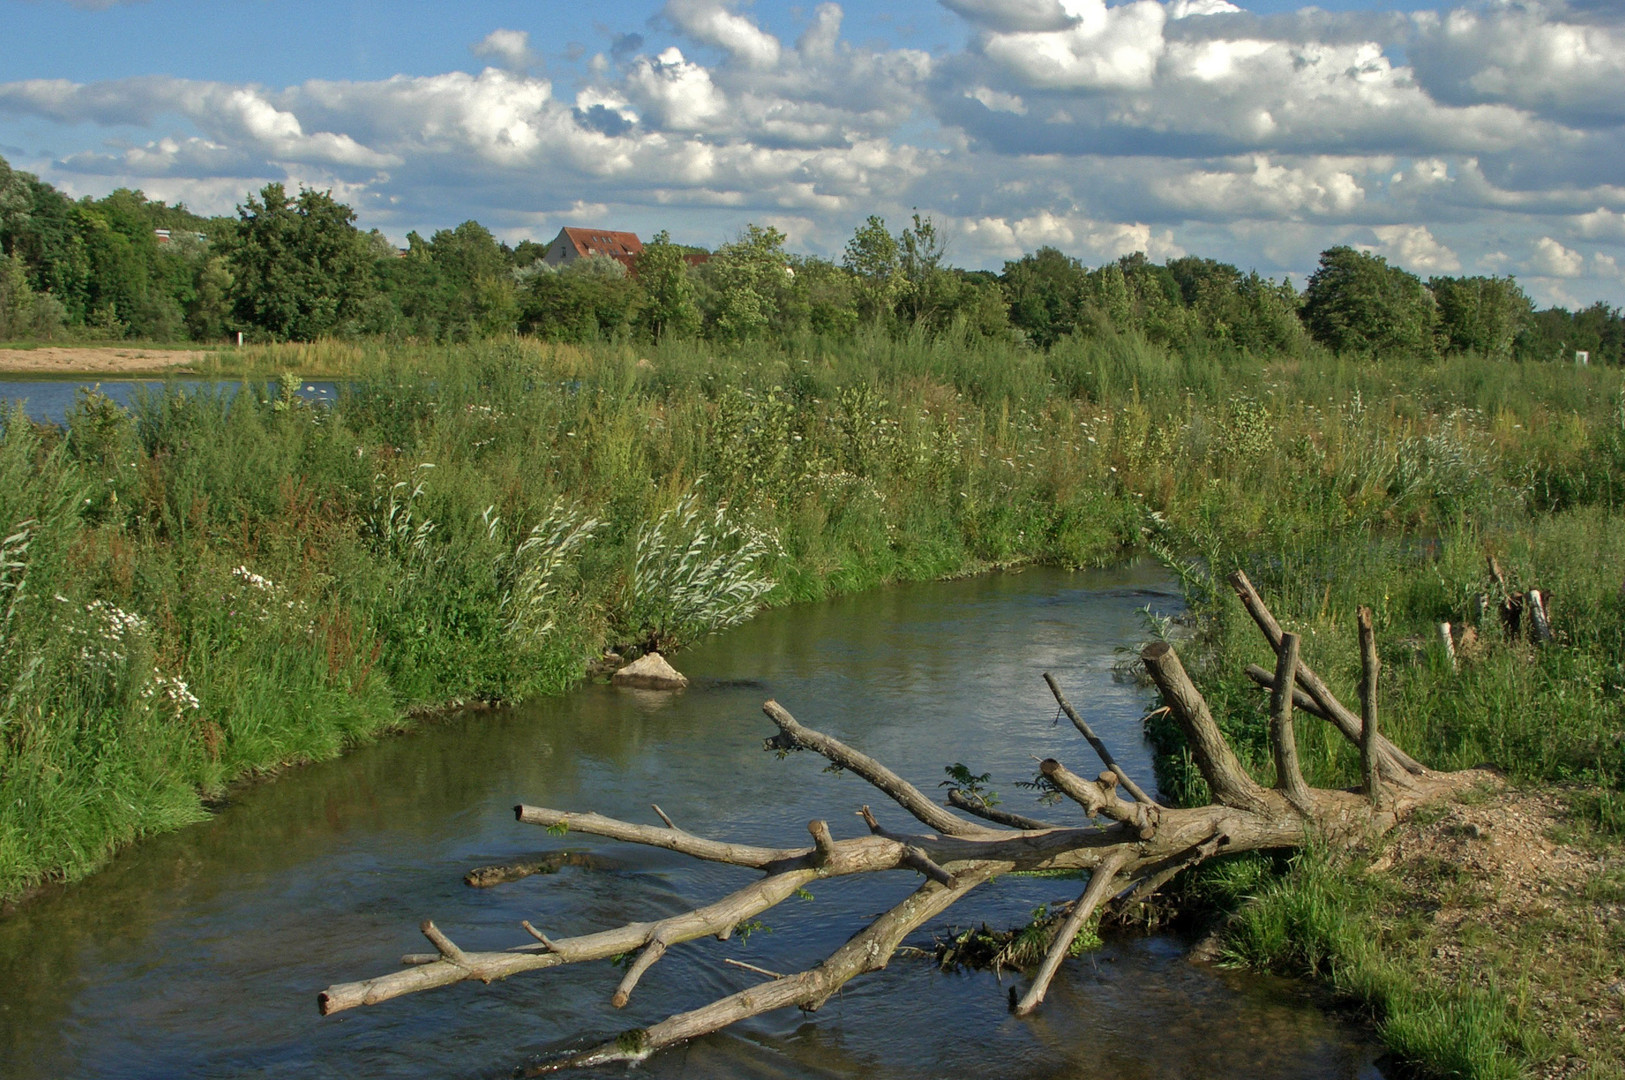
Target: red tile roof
[(624, 246)]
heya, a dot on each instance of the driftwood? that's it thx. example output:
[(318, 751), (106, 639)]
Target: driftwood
[(1135, 847), (484, 877)]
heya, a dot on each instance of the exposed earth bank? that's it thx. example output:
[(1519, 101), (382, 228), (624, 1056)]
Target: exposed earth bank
[(97, 360)]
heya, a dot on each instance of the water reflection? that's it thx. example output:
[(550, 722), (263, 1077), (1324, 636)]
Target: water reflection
[(199, 953)]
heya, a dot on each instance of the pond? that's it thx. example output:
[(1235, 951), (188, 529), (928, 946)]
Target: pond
[(200, 953), (48, 400)]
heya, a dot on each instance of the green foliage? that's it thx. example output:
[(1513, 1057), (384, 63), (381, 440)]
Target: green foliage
[(694, 576), (749, 280), (961, 779), (587, 300), (1482, 315), (300, 269), (1355, 302), (666, 300), (1320, 919), (873, 256)]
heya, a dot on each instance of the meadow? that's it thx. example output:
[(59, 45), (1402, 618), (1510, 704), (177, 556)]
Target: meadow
[(215, 586)]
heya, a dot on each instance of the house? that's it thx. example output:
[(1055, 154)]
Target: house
[(573, 244)]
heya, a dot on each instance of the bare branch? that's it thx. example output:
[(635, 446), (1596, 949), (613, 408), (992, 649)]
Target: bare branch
[(917, 859), (731, 962), (1288, 775), (972, 804), (670, 824), (645, 960), (1098, 800), (1158, 874), (823, 841), (869, 950), (1231, 784), (487, 966), (1300, 700), (1368, 709), (670, 839), (1100, 883), (793, 736), (1332, 709), (1094, 740)]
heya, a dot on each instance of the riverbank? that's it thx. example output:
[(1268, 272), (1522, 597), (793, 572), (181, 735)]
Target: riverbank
[(318, 360), (98, 361), (200, 592)]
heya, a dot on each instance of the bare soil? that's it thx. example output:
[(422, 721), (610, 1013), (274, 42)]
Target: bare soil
[(1505, 888), (97, 360)]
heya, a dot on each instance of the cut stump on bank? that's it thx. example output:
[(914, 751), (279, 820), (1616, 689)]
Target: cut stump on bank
[(1135, 847)]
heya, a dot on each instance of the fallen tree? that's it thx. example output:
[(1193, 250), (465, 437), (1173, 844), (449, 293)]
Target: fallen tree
[(1138, 847)]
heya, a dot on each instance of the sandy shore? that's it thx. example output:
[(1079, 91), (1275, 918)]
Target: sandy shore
[(96, 360)]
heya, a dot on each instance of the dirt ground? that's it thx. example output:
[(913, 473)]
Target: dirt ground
[(96, 360), (1501, 887)]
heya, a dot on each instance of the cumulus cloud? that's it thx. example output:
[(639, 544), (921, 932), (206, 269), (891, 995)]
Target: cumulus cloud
[(1416, 249), (1534, 56), (1442, 139), (1554, 260), (711, 22), (508, 48)]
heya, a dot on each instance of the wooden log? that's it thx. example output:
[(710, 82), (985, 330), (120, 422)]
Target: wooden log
[(1100, 883), (1368, 709), (1283, 741), (1448, 645), (1246, 818), (1395, 762), (1095, 741), (1540, 623), (1230, 783)]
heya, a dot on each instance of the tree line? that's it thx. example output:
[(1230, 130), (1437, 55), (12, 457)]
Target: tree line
[(294, 266)]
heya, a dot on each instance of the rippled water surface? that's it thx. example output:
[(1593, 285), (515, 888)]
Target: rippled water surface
[(200, 953)]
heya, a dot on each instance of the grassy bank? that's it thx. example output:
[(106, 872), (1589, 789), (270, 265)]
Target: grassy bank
[(216, 586)]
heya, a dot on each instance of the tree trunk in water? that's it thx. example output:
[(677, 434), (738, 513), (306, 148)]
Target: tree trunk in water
[(1137, 847)]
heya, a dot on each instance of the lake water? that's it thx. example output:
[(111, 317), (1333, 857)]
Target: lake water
[(48, 400), (200, 953)]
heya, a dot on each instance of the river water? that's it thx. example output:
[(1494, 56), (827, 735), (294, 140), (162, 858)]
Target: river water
[(200, 953)]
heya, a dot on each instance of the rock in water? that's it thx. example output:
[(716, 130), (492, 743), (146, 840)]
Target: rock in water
[(650, 672)]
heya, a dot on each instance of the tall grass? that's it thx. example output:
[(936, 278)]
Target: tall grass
[(465, 523)]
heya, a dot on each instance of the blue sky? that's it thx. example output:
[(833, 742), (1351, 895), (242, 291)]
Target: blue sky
[(1483, 137)]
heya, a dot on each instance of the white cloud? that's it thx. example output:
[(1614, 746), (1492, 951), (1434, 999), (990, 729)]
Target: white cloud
[(1552, 259), (1260, 187), (1101, 48), (711, 22), (675, 93), (998, 100), (1448, 140), (1184, 9), (1534, 55), (1416, 249), (510, 48), (1013, 15), (821, 36)]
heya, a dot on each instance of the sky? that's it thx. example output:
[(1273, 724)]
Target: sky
[(1485, 137)]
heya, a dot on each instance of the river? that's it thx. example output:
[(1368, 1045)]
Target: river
[(200, 953)]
